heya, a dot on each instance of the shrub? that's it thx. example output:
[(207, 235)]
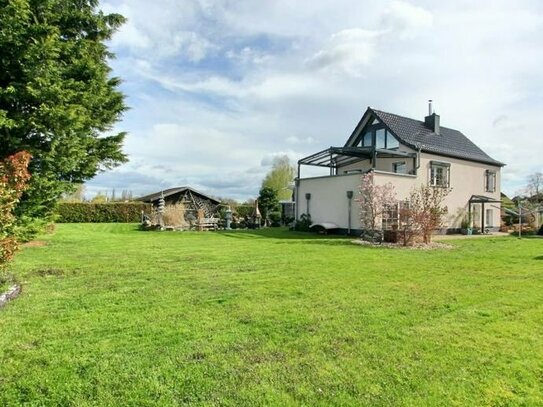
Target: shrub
[(114, 212), (244, 211), (304, 224), (14, 176), (275, 218)]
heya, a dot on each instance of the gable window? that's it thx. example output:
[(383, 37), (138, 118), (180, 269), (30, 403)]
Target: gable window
[(439, 174), (399, 167), (366, 140), (490, 181), (380, 137), (392, 142)]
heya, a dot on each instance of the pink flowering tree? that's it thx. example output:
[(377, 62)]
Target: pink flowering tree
[(374, 201)]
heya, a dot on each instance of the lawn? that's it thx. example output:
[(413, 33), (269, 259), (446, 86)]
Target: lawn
[(111, 316)]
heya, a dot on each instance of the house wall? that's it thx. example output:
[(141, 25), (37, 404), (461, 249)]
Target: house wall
[(467, 178), (328, 201)]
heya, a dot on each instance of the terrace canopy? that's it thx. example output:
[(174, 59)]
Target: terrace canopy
[(335, 157)]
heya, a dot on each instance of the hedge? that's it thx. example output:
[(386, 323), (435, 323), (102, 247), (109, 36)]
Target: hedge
[(114, 212)]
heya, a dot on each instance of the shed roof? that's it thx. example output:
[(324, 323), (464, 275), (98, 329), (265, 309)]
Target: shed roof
[(172, 191)]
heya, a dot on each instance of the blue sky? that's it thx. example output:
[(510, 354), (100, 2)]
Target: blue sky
[(219, 88)]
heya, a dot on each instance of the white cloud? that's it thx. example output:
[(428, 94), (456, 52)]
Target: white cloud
[(300, 140), (216, 87), (406, 18), (347, 51)]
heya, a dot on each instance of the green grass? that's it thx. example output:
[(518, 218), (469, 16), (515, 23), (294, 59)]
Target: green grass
[(111, 316)]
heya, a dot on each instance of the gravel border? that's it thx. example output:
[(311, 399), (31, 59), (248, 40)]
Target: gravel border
[(416, 246)]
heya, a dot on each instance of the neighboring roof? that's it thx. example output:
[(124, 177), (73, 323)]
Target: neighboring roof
[(172, 191), (415, 134)]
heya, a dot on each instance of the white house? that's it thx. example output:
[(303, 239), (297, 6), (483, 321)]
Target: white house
[(406, 152)]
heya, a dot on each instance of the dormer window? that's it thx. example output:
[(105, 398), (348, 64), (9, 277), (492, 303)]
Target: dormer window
[(439, 174), (490, 181)]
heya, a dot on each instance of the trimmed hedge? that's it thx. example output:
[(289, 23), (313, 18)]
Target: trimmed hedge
[(114, 212)]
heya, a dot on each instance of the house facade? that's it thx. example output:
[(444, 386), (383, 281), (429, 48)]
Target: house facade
[(407, 153)]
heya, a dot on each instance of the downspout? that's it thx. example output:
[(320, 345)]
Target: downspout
[(417, 164)]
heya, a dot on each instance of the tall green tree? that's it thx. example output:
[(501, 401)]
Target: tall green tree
[(58, 99), (267, 202), (280, 177)]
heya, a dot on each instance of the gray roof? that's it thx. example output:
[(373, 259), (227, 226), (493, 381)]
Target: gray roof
[(450, 142), (171, 191)]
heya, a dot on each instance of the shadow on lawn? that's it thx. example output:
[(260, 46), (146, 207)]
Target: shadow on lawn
[(283, 234), (278, 233), (538, 258)]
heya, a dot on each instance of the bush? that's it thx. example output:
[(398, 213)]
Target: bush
[(244, 211), (14, 176), (275, 219), (304, 224), (114, 212), (540, 232)]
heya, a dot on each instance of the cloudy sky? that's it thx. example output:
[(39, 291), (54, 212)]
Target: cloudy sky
[(217, 88)]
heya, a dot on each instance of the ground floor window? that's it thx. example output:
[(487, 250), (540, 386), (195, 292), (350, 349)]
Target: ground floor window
[(394, 216), (391, 218), (489, 218)]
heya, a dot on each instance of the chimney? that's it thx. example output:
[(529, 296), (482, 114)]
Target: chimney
[(432, 120)]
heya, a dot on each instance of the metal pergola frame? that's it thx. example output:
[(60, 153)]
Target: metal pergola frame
[(481, 199), (334, 157)]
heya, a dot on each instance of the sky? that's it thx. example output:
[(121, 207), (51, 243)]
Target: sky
[(218, 88)]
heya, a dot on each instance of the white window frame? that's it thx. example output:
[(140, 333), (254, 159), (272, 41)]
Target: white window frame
[(490, 176), (432, 176)]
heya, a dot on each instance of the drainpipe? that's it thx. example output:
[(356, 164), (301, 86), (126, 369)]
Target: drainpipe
[(417, 166)]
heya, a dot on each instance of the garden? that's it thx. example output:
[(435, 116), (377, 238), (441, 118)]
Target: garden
[(110, 315)]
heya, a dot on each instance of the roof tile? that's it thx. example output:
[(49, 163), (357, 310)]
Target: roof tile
[(449, 142)]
